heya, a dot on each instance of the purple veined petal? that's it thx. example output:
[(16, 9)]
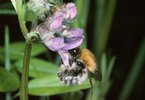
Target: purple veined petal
[(72, 38), (77, 32), (73, 43), (74, 32), (54, 43), (56, 23), (65, 57)]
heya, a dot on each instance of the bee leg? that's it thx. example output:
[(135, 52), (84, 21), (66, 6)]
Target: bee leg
[(97, 75), (91, 83)]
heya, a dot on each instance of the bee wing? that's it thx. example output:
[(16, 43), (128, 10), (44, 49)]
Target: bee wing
[(97, 75)]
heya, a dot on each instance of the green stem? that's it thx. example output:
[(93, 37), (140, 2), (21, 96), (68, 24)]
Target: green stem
[(21, 17), (25, 71), (7, 56)]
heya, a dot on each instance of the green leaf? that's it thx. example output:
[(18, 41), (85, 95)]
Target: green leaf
[(110, 66), (8, 81), (38, 67), (30, 16), (17, 50), (51, 85), (104, 67), (7, 49), (38, 49), (7, 12)]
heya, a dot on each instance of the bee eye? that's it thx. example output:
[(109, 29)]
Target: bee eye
[(74, 52)]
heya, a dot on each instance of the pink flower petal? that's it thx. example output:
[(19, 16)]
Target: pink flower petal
[(56, 23)]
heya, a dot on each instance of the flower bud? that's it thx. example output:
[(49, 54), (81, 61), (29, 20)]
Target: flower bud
[(68, 11), (71, 11)]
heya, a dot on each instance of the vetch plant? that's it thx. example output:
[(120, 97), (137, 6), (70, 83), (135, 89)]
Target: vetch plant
[(54, 31), (59, 27)]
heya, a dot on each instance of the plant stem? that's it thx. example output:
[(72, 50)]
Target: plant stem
[(25, 71), (21, 16), (7, 56)]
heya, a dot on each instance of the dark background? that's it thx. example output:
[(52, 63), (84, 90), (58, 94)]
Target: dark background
[(127, 32)]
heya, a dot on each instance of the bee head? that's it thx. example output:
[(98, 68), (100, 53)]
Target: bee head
[(75, 52)]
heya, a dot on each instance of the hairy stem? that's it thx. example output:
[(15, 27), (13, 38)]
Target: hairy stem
[(25, 71)]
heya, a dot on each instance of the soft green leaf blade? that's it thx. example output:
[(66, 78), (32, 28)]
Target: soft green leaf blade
[(104, 16), (17, 50), (99, 17), (104, 67), (38, 67), (106, 26), (7, 12), (110, 66), (7, 55), (38, 49), (30, 16), (7, 47), (8, 81), (51, 85)]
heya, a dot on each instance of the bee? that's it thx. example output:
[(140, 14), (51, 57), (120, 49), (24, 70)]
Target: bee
[(82, 65), (84, 57)]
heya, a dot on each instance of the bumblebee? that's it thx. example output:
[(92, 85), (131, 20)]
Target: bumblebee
[(86, 58), (82, 65)]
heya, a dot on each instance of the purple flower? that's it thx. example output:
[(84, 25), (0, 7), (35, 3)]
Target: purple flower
[(68, 38), (73, 39)]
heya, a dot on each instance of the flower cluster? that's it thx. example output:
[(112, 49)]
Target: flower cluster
[(60, 37)]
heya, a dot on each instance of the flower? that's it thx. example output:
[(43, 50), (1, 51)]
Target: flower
[(68, 38)]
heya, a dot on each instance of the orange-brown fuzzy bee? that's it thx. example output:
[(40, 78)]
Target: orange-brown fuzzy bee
[(86, 58), (82, 65)]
